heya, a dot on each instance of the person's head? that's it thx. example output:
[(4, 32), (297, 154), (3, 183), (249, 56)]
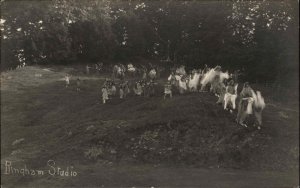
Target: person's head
[(218, 68), (231, 83), (246, 85)]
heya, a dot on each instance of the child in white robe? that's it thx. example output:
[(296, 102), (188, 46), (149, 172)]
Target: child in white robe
[(67, 79), (104, 94), (87, 68), (230, 94)]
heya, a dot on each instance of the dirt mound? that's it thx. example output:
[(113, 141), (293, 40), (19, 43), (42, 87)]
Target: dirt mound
[(187, 130)]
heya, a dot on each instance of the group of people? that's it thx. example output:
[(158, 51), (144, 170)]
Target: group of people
[(67, 80), (142, 87), (109, 89), (224, 86), (98, 67), (221, 84)]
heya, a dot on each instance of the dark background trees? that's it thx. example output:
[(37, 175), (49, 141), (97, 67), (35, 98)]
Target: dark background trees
[(260, 37)]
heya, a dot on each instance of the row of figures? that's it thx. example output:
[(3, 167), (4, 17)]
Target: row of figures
[(140, 88), (98, 67), (120, 71), (109, 89), (224, 86), (144, 87), (152, 72)]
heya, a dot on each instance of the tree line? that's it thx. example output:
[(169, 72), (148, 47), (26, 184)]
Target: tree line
[(258, 37)]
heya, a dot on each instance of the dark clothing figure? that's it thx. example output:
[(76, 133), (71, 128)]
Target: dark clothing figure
[(245, 104), (168, 90), (78, 84), (221, 93)]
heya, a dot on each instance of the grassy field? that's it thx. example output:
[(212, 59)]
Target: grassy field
[(184, 141)]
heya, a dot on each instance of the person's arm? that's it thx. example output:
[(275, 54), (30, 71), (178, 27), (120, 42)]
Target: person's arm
[(242, 95), (247, 95), (235, 89)]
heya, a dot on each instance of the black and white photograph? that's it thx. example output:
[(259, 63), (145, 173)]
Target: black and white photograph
[(149, 93)]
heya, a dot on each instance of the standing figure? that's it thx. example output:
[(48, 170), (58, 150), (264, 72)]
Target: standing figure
[(126, 89), (113, 89), (87, 69), (67, 79), (146, 89), (221, 92), (230, 94), (215, 84), (138, 90), (131, 70), (123, 70), (172, 80), (118, 71), (245, 104), (151, 89), (104, 94), (194, 81), (209, 76), (159, 71), (121, 91), (78, 84), (182, 85), (108, 85), (143, 84), (200, 71), (152, 74), (236, 75), (144, 77), (168, 90), (259, 105)]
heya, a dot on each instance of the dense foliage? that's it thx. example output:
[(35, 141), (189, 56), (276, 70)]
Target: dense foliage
[(260, 37)]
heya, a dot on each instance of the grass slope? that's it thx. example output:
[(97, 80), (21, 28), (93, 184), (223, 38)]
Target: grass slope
[(74, 127)]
